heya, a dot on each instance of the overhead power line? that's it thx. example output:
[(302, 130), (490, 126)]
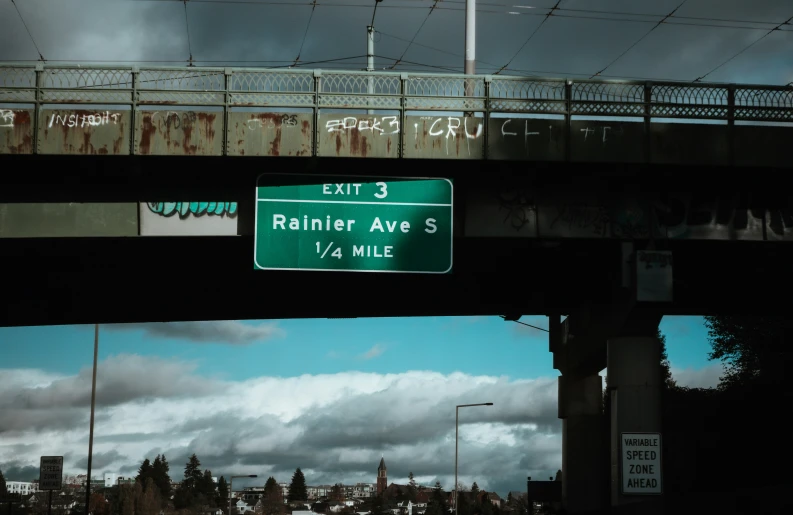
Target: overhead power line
[(41, 57), (640, 39), (488, 8), (434, 5), (550, 13), (305, 34), (187, 27), (750, 45)]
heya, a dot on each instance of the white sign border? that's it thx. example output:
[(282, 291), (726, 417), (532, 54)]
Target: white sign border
[(451, 232), (60, 481), (660, 461)]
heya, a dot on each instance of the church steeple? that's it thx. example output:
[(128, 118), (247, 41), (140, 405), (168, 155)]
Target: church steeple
[(382, 477)]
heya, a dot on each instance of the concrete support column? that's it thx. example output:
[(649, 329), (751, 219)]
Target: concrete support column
[(634, 384), (581, 411)]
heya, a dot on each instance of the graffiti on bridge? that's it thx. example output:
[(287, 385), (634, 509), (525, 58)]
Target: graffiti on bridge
[(676, 216), (195, 209)]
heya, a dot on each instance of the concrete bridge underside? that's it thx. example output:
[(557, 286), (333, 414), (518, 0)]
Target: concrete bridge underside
[(136, 279)]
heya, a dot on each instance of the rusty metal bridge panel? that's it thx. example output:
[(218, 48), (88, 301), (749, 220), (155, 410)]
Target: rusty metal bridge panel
[(258, 112)]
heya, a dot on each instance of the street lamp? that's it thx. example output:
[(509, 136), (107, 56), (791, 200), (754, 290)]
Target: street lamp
[(456, 430), (231, 487)]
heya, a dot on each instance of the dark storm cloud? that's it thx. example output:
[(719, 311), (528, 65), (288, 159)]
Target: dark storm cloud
[(570, 43), (232, 332), (15, 471), (100, 460), (120, 379)]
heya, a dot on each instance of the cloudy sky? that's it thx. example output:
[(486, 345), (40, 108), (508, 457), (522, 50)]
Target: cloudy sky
[(576, 41), (329, 396)]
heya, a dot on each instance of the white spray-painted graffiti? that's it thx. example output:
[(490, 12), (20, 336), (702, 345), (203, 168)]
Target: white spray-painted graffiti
[(449, 127), (605, 130), (287, 121), (83, 120), (526, 132), (196, 209), (374, 125), (7, 118)]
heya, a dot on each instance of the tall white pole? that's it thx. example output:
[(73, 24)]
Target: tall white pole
[(470, 37), (470, 47), (370, 62)]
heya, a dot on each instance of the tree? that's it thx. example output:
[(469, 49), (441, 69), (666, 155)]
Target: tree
[(147, 500), (98, 505), (3, 490), (222, 497), (297, 487), (206, 488), (558, 475), (160, 475), (145, 471), (754, 349), (272, 500), (411, 487), (666, 369), (192, 473), (336, 493), (475, 489)]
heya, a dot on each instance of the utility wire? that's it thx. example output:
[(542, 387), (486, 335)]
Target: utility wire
[(640, 39), (374, 11), (550, 13), (750, 45), (434, 5), (41, 57), (527, 325), (305, 34), (558, 12), (455, 54), (187, 27)]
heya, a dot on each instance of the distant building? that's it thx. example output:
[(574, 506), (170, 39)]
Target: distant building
[(382, 477), (21, 487)]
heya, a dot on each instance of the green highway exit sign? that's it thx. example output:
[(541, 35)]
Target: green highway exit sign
[(353, 224)]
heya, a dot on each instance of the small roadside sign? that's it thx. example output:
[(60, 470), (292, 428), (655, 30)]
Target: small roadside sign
[(641, 463), (51, 473)]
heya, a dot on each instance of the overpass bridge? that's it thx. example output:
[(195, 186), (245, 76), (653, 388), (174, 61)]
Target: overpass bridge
[(546, 197)]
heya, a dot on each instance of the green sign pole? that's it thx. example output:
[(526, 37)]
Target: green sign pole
[(353, 224)]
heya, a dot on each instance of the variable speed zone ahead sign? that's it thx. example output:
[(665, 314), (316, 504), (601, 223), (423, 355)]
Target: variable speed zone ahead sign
[(359, 224)]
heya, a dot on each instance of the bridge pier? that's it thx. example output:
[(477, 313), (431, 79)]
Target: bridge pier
[(622, 338), (634, 390), (581, 411)]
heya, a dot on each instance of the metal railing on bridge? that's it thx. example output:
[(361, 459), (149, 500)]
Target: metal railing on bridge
[(180, 111)]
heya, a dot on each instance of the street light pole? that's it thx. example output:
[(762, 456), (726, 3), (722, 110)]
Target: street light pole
[(456, 432), (91, 430), (231, 487)]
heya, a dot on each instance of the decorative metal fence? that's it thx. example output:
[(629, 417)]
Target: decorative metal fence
[(316, 90)]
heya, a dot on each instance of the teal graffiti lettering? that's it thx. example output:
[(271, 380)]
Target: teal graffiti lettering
[(185, 209)]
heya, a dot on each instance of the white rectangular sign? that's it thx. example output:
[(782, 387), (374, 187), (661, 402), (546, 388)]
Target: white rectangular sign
[(641, 463), (51, 473)]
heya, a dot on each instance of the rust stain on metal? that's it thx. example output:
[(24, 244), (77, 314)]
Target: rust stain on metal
[(83, 131), (178, 133), (270, 134), (16, 132)]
